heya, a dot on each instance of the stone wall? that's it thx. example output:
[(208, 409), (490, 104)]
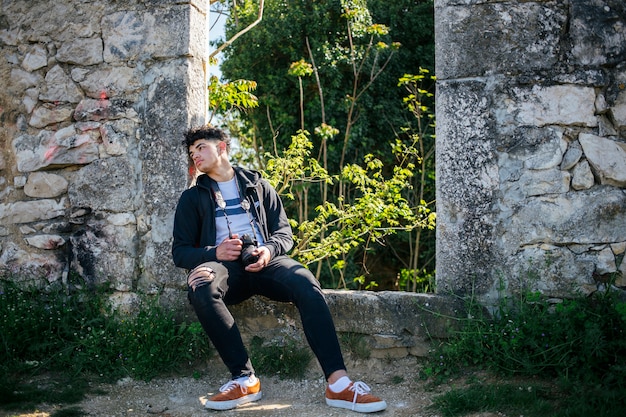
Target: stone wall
[(390, 324), (95, 96), (531, 152)]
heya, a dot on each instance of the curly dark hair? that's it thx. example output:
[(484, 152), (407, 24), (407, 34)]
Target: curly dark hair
[(206, 132)]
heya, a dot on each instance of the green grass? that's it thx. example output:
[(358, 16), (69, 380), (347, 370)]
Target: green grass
[(72, 337), (510, 399), (287, 359), (577, 347), (52, 344)]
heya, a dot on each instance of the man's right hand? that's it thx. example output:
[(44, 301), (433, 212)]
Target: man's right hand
[(229, 249)]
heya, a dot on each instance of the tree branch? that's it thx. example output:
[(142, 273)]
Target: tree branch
[(241, 32)]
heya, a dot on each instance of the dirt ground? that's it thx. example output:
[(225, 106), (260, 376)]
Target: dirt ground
[(393, 380)]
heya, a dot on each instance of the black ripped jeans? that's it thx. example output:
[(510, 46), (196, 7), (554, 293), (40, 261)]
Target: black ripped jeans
[(283, 279)]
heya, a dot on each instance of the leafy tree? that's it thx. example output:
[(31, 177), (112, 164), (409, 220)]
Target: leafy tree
[(324, 66), (377, 210), (318, 31), (418, 271)]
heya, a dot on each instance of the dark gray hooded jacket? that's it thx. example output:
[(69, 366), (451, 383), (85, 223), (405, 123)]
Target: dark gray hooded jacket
[(194, 221)]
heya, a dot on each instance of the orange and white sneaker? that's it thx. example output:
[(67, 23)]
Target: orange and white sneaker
[(355, 397), (236, 392)]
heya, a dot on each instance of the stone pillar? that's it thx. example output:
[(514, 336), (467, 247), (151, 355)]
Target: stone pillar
[(95, 97), (531, 152)]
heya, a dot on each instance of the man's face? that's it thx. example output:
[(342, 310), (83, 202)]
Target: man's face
[(205, 154)]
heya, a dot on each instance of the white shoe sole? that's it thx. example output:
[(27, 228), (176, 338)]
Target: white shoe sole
[(358, 407), (227, 405)]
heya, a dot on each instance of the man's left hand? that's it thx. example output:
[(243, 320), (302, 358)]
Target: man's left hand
[(264, 258)]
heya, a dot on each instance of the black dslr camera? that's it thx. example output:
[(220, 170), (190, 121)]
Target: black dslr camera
[(249, 245)]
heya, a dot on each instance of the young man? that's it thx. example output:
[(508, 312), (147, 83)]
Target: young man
[(216, 220)]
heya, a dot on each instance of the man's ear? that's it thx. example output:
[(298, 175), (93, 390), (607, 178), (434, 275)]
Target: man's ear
[(222, 146)]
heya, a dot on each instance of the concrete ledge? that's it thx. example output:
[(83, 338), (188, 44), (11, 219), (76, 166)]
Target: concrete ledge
[(393, 324)]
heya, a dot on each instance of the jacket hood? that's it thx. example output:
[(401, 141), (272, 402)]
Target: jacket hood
[(247, 178)]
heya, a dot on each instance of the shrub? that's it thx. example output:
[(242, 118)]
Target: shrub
[(581, 342), (77, 334)]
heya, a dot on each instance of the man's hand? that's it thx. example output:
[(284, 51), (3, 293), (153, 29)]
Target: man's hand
[(229, 249), (264, 258)]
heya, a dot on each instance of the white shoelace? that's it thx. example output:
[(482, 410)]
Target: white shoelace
[(232, 385), (359, 388)]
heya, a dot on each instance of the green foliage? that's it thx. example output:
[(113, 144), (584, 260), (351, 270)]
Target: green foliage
[(511, 399), (353, 198), (349, 42), (288, 360), (76, 334), (300, 69), (375, 209), (418, 281), (231, 97), (416, 146), (355, 344), (581, 342), (294, 169)]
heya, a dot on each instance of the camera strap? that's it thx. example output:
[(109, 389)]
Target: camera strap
[(243, 202)]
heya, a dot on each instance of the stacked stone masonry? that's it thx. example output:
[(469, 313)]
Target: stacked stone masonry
[(95, 97), (531, 151)]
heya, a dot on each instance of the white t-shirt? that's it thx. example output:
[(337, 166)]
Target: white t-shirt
[(239, 219)]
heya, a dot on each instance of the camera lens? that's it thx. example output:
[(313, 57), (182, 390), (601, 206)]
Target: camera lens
[(249, 245)]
